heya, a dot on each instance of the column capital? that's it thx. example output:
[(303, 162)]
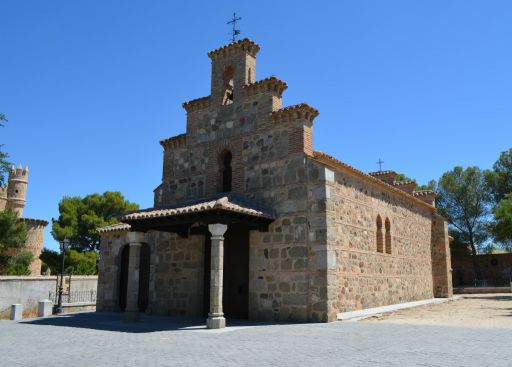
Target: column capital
[(218, 229)]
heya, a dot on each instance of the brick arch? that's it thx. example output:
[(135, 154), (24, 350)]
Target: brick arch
[(213, 169)]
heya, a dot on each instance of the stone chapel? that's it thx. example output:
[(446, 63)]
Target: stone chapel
[(250, 222)]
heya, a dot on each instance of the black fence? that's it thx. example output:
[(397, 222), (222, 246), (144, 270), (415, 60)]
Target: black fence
[(74, 297)]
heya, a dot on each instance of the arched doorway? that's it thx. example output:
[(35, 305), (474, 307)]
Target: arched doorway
[(123, 276)]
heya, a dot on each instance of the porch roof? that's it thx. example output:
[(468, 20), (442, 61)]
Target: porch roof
[(228, 208)]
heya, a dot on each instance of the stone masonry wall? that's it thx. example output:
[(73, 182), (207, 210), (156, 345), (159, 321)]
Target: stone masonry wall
[(287, 271), (496, 269), (176, 273), (109, 270), (34, 244), (288, 275), (365, 277), (441, 259)]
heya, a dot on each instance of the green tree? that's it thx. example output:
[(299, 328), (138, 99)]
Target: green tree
[(75, 262), (502, 225), (19, 264), (463, 198), (79, 218), (13, 234), (4, 164), (499, 179)]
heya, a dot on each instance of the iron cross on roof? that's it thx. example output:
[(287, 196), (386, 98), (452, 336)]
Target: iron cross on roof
[(379, 162), (235, 32)]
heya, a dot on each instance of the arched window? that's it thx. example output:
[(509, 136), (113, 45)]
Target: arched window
[(226, 172), (380, 242), (388, 236), (228, 81)]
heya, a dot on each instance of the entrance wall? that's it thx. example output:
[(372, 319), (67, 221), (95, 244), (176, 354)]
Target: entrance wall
[(178, 275), (175, 273)]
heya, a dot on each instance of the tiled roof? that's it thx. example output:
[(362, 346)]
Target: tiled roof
[(403, 183), (227, 201), (423, 193), (326, 158), (382, 173), (117, 227)]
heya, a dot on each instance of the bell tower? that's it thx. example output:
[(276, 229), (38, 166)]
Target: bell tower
[(233, 66)]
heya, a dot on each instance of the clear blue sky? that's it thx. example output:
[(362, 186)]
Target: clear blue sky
[(90, 87)]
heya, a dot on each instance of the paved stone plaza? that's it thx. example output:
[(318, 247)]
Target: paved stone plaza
[(91, 339)]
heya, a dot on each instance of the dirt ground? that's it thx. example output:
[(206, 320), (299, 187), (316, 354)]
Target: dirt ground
[(473, 310)]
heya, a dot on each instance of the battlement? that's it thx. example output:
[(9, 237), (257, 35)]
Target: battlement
[(298, 111), (407, 186), (174, 142), (267, 85), (18, 173), (427, 196), (386, 176), (16, 190), (197, 104), (244, 45)]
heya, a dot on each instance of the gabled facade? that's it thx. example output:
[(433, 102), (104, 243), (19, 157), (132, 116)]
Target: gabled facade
[(250, 221)]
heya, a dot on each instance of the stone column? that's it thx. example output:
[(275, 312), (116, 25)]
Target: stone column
[(131, 312), (216, 318)]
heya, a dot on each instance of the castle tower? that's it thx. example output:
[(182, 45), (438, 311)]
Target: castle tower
[(17, 189), (3, 197), (34, 242), (233, 66)]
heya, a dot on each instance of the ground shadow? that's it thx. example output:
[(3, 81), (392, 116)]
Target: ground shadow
[(495, 297), (113, 321)]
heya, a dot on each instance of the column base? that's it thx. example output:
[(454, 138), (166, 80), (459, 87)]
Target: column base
[(215, 322), (131, 316)]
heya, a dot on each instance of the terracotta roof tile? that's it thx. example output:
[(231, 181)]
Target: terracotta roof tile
[(382, 173), (229, 202), (323, 157), (117, 227)]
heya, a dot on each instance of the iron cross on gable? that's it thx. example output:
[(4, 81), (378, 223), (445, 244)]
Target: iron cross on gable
[(234, 32)]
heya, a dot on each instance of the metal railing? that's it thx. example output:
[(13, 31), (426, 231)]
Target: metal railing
[(74, 296)]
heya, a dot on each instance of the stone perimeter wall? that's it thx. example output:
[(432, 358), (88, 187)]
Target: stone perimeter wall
[(29, 290), (496, 269), (367, 278)]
